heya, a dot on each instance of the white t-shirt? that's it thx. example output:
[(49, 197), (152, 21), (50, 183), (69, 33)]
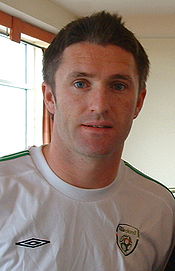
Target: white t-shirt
[(47, 224)]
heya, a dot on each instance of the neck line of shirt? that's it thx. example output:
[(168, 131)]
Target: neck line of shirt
[(69, 190)]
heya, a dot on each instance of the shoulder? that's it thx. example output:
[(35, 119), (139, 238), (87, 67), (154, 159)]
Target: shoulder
[(14, 156), (15, 164), (148, 186), (18, 176)]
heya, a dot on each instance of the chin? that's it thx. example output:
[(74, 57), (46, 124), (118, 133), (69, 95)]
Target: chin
[(100, 153)]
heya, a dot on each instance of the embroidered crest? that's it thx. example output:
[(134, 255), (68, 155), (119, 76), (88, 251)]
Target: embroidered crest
[(127, 238)]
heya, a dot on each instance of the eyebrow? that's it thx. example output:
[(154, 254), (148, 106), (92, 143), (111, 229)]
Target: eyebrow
[(76, 74), (121, 76)]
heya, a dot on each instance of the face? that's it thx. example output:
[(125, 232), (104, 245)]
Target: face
[(96, 100)]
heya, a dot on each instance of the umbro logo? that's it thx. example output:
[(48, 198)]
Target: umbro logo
[(32, 243)]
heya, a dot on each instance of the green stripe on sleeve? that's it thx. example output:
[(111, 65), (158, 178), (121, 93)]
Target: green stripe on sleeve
[(146, 176), (14, 155)]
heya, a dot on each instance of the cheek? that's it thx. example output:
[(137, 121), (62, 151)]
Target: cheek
[(62, 113), (127, 108), (65, 114), (72, 107)]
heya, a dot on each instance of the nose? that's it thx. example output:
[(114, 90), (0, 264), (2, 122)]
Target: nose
[(99, 101)]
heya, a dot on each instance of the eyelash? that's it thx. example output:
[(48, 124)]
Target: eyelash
[(124, 86), (85, 84), (118, 86)]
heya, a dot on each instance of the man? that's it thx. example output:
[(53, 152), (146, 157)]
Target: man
[(73, 204)]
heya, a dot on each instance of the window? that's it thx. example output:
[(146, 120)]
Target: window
[(20, 95), (20, 85)]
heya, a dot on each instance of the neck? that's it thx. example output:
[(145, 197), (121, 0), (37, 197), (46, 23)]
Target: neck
[(82, 171)]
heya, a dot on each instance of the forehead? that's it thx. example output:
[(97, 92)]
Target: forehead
[(101, 58)]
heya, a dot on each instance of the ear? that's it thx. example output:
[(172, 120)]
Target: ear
[(49, 98), (140, 100)]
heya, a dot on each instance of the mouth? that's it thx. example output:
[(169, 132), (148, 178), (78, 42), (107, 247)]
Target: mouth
[(97, 126)]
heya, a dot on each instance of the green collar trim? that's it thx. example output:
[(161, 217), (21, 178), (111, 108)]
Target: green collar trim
[(14, 155), (146, 176)]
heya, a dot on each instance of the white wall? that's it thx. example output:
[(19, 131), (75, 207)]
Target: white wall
[(43, 13), (152, 25), (151, 145)]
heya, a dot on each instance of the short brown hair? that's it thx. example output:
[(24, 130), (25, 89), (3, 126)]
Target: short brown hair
[(100, 28)]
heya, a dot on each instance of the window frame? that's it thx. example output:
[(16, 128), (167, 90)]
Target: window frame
[(18, 26)]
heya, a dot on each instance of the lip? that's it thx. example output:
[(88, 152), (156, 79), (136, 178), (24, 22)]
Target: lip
[(97, 124)]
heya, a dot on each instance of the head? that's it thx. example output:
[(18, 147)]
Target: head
[(94, 84), (101, 28)]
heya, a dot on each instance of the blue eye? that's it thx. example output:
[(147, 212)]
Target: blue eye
[(119, 86), (80, 84)]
